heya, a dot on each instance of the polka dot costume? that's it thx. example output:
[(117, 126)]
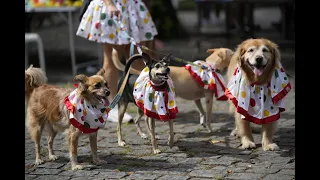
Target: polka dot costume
[(155, 102), (259, 104), (207, 79), (96, 24), (84, 116)]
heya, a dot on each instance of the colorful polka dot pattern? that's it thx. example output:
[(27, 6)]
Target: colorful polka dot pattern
[(258, 100), (153, 100), (96, 24), (90, 116)]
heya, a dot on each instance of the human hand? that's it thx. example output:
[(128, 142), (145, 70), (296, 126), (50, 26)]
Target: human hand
[(113, 11)]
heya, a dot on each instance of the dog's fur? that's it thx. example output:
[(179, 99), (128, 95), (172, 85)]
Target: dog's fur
[(246, 57), (46, 109), (187, 88), (158, 74)]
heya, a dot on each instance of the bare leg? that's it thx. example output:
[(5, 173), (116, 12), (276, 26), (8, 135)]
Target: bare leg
[(201, 111), (52, 135), (73, 148), (111, 72), (244, 132), (94, 148), (267, 132), (137, 122), (122, 106), (171, 134), (154, 143)]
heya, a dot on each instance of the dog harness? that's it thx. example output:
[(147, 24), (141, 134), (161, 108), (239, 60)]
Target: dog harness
[(84, 116), (209, 80), (259, 104), (158, 103)]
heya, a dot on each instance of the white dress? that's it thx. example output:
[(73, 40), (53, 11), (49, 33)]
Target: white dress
[(156, 103), (208, 79), (259, 104), (84, 116), (97, 25)]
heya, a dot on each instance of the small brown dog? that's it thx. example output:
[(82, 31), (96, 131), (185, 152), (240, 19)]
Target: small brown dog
[(257, 85), (187, 87), (47, 108)]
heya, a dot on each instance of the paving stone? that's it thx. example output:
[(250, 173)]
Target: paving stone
[(173, 177), (52, 177), (278, 176), (115, 175), (29, 177), (79, 173), (143, 176), (51, 165), (43, 171), (244, 176), (287, 172), (202, 173)]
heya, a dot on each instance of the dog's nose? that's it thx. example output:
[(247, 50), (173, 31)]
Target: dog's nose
[(168, 70), (107, 92), (259, 59)]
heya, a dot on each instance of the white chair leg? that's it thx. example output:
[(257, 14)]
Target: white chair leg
[(26, 58), (41, 54)]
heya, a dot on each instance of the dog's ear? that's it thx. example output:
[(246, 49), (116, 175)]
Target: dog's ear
[(81, 80), (210, 50), (101, 72), (239, 54), (274, 48), (147, 59)]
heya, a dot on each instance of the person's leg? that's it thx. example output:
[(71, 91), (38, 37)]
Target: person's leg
[(111, 72)]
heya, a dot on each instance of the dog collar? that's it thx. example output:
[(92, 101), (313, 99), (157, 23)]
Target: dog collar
[(86, 117), (259, 104), (156, 102)]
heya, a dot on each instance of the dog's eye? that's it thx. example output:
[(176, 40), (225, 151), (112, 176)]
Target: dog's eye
[(264, 50), (157, 66), (97, 86), (250, 50)]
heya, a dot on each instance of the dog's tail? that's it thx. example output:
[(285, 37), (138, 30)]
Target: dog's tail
[(117, 63), (34, 77)]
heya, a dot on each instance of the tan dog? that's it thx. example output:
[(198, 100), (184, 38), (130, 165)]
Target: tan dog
[(186, 86), (257, 59), (46, 108)]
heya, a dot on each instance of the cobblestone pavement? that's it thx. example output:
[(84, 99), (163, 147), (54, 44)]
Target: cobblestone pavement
[(196, 154)]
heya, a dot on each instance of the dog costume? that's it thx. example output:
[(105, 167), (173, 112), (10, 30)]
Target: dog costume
[(84, 116), (208, 79), (155, 101), (259, 104)]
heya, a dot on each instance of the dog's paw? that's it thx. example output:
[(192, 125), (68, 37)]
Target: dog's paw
[(203, 121), (39, 161), (157, 137), (170, 143), (77, 167), (53, 157), (156, 151), (247, 144), (143, 136), (98, 161), (270, 147), (233, 132), (121, 143)]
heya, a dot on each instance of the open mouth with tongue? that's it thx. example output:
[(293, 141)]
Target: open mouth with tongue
[(162, 76), (257, 68), (102, 99)]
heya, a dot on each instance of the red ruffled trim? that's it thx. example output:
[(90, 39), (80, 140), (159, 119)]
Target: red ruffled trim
[(211, 86), (172, 113), (281, 94), (249, 117), (73, 121)]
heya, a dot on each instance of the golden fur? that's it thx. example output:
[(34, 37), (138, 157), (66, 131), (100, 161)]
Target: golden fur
[(185, 85), (46, 109), (269, 53)]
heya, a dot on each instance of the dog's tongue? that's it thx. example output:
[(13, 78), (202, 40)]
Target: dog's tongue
[(258, 71), (105, 102)]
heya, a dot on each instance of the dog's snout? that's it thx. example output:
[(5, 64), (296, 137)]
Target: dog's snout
[(259, 59), (168, 70), (107, 92)]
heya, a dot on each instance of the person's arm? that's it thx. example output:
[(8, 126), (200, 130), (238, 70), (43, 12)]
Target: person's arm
[(108, 2), (111, 8)]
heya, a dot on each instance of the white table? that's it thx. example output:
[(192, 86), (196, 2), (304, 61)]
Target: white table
[(69, 10)]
